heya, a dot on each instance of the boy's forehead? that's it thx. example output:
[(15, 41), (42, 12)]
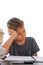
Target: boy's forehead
[(20, 29)]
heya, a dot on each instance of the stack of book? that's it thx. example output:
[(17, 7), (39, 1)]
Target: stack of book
[(2, 50)]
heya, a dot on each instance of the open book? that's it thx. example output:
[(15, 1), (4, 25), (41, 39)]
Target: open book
[(19, 59)]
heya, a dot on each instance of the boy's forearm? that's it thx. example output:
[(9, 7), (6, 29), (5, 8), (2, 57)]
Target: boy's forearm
[(7, 44)]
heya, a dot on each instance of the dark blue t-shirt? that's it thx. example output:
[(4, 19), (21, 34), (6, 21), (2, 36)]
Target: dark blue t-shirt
[(27, 49)]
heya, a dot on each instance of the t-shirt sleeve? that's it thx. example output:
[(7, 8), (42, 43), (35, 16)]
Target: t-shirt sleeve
[(34, 47)]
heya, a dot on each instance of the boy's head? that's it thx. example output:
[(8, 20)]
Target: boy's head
[(17, 25)]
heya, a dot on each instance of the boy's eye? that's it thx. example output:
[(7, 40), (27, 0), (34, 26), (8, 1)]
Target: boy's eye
[(19, 33)]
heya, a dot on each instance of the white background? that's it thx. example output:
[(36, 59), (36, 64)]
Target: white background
[(30, 11)]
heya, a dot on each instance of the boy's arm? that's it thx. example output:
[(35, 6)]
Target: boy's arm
[(35, 54), (7, 44)]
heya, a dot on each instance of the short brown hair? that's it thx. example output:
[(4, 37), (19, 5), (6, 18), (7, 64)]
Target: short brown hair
[(15, 23)]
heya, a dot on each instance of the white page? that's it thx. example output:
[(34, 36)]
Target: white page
[(40, 59)]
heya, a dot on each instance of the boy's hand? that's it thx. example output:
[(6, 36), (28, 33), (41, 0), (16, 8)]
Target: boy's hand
[(14, 34)]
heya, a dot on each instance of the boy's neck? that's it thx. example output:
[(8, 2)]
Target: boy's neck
[(20, 42)]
